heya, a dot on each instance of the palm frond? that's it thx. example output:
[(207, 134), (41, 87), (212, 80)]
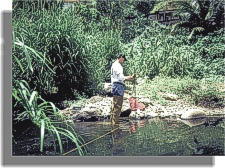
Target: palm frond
[(176, 25), (163, 5), (196, 29), (210, 11)]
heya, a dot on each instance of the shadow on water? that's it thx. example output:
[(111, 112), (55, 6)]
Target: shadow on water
[(148, 137)]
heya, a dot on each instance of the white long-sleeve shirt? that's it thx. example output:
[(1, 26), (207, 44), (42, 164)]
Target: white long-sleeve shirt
[(117, 73)]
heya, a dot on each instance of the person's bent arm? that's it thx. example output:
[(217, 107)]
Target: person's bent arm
[(129, 78)]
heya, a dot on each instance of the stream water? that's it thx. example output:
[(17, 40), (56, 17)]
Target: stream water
[(150, 137)]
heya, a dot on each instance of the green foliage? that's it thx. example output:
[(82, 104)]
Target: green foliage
[(77, 46), (129, 16), (69, 44), (120, 8), (66, 54), (44, 115), (24, 67), (208, 96), (202, 92), (73, 48), (35, 5), (153, 55), (211, 49), (156, 52)]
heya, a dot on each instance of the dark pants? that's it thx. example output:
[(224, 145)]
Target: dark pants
[(117, 102)]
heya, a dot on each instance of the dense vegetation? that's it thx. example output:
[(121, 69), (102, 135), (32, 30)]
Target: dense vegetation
[(64, 53)]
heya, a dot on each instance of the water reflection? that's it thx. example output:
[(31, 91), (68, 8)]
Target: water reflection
[(150, 137), (207, 122), (193, 122), (135, 125)]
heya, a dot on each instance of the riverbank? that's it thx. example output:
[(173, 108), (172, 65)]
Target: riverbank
[(163, 97)]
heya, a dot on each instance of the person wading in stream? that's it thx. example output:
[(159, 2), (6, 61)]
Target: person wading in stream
[(117, 80)]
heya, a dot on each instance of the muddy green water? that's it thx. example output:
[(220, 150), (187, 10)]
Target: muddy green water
[(155, 137), (149, 137)]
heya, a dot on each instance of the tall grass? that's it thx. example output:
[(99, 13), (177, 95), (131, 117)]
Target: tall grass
[(76, 51), (44, 115)]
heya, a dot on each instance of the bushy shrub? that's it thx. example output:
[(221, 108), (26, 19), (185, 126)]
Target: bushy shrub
[(156, 52), (210, 50)]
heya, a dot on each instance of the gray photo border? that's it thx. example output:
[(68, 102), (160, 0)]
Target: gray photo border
[(7, 157)]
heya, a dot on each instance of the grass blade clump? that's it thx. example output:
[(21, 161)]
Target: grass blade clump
[(44, 115)]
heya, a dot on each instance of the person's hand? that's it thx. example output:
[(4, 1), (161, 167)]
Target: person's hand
[(134, 76)]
